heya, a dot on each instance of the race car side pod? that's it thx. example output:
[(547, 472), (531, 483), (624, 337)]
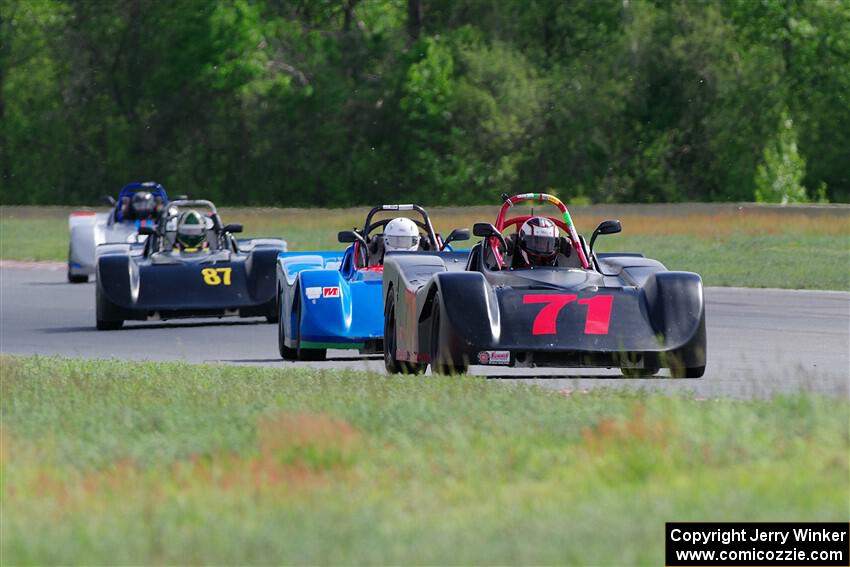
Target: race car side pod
[(676, 304)]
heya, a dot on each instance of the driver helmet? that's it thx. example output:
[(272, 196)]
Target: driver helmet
[(191, 229), (538, 238), (143, 205), (401, 234)]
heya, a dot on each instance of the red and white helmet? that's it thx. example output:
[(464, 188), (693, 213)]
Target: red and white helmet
[(401, 234), (538, 237)]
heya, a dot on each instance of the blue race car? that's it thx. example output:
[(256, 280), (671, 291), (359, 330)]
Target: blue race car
[(334, 300)]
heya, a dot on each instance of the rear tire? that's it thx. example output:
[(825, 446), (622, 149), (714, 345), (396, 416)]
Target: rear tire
[(392, 364), (74, 278), (441, 361), (639, 372), (688, 372), (273, 315), (286, 353)]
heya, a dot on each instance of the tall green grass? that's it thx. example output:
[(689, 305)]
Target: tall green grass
[(136, 463)]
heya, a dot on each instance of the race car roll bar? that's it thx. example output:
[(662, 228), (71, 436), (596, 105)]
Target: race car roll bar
[(429, 228), (131, 188), (566, 224)]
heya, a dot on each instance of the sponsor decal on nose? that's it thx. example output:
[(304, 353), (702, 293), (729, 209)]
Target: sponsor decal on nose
[(330, 291), (494, 357)]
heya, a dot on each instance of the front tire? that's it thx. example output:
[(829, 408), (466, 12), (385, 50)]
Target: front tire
[(109, 325), (286, 353), (308, 354), (441, 361), (392, 364), (102, 323)]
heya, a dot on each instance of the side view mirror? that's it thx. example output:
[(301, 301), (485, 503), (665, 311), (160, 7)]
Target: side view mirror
[(146, 230), (605, 227), (108, 200), (487, 230), (484, 229), (348, 236), (351, 236), (233, 228), (457, 234)]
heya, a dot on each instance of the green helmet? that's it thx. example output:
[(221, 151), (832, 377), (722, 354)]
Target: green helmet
[(191, 229)]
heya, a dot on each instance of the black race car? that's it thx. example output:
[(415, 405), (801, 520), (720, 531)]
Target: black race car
[(584, 310), (164, 279)]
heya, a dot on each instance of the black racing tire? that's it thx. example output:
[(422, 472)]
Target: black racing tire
[(73, 278), (639, 372), (286, 352), (392, 364), (688, 372), (308, 354), (312, 354), (102, 323), (273, 314), (109, 325), (441, 362)]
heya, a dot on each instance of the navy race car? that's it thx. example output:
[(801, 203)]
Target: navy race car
[(191, 265), (541, 297)]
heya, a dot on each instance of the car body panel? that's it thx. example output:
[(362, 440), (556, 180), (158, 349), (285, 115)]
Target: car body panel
[(338, 308), (622, 311)]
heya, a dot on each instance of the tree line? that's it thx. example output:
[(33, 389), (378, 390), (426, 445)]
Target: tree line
[(344, 102)]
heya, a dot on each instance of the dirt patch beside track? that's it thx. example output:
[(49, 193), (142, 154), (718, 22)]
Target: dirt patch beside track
[(28, 265)]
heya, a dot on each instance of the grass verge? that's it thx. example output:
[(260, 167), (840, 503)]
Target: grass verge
[(729, 246), (110, 462)]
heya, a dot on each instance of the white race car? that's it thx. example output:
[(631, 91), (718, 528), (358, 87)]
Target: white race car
[(138, 205)]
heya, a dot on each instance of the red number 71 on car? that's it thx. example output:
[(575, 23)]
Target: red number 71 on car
[(596, 322)]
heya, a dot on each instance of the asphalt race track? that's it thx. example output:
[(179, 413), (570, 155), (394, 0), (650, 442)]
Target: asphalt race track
[(760, 342)]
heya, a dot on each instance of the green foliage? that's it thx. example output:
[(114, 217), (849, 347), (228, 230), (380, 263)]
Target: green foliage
[(779, 178), (325, 102), (110, 462)]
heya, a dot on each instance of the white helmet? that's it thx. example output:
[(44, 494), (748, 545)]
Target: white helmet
[(401, 234)]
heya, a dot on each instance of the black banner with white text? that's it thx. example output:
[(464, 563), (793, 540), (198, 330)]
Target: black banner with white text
[(693, 544)]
